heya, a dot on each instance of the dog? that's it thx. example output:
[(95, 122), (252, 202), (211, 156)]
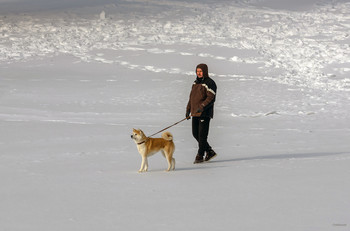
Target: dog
[(148, 146)]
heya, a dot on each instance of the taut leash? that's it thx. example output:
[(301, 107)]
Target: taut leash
[(170, 126)]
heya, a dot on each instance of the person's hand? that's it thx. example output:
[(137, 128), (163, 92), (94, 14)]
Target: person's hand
[(188, 115)]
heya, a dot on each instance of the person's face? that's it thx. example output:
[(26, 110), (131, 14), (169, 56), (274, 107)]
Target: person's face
[(199, 73)]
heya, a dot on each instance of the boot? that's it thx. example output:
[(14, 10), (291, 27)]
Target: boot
[(210, 155), (199, 159)]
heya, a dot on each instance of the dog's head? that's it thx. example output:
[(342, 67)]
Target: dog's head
[(138, 135)]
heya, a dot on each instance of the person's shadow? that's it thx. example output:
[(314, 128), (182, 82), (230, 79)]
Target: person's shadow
[(281, 156), (207, 165)]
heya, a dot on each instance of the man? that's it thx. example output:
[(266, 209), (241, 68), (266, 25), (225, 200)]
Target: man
[(201, 108)]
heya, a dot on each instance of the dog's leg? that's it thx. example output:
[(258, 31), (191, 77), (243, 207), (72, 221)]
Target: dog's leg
[(173, 164), (146, 165), (169, 160), (143, 163), (140, 170), (165, 154)]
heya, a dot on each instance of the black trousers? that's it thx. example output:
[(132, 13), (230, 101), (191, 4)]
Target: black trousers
[(200, 131)]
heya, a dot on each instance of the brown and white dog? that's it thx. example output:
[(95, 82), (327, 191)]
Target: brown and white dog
[(148, 146)]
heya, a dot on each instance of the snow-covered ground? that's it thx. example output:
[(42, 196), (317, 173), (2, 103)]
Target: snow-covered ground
[(74, 81)]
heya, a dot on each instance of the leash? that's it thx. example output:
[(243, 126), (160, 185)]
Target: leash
[(170, 126)]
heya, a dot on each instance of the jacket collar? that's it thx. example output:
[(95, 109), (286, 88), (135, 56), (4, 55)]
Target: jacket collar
[(199, 80)]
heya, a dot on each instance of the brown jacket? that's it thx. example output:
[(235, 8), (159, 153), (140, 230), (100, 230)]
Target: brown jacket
[(202, 97)]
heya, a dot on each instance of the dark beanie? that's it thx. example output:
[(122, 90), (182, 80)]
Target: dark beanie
[(204, 68)]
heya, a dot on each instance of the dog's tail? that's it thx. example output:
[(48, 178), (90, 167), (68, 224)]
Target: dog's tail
[(167, 136)]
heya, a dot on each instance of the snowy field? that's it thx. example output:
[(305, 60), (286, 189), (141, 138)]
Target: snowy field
[(75, 80)]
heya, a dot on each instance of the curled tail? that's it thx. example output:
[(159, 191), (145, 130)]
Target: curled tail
[(167, 136)]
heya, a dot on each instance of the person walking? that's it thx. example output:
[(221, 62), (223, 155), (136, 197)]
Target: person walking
[(200, 108)]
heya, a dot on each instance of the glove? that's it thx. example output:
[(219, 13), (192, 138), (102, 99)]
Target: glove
[(188, 115)]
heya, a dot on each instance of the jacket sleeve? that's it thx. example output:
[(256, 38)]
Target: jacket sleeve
[(188, 108), (211, 95)]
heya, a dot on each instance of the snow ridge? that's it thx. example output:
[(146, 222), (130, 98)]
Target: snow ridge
[(296, 48)]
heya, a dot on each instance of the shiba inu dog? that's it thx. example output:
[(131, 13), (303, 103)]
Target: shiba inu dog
[(148, 146)]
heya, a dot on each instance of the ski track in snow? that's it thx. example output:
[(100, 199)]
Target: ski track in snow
[(305, 49)]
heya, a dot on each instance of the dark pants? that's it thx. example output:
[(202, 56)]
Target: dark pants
[(200, 131)]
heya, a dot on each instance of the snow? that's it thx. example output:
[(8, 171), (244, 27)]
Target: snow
[(76, 78)]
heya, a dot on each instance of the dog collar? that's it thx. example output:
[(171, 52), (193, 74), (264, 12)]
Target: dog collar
[(141, 142)]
